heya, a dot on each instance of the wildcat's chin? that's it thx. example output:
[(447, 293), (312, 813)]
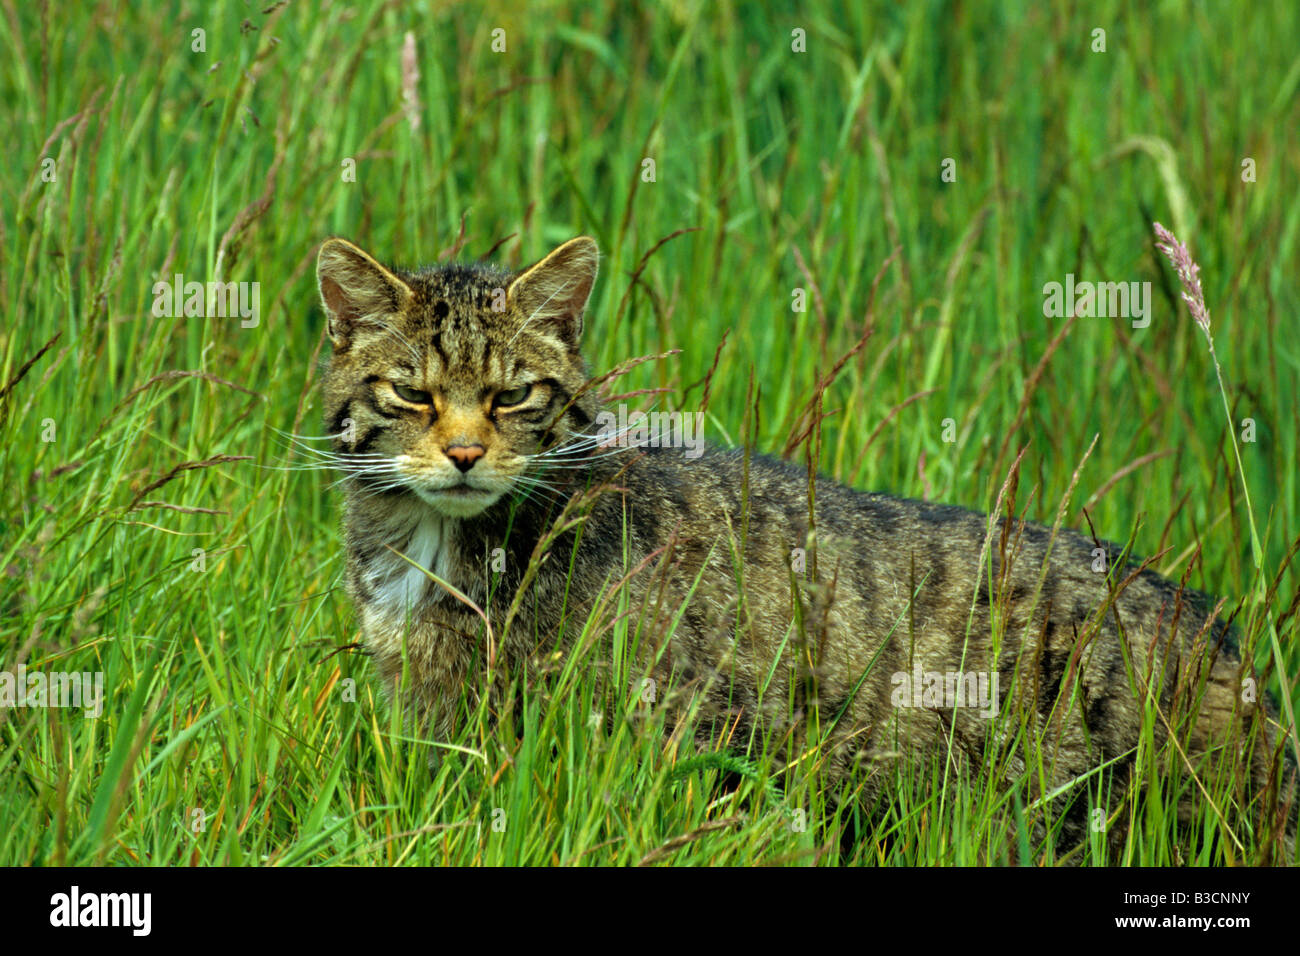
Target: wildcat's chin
[(460, 501)]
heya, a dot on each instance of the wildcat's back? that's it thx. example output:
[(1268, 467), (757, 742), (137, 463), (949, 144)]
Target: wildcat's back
[(921, 624), (466, 424)]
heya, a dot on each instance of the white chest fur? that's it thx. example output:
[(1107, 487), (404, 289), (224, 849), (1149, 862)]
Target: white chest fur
[(399, 581)]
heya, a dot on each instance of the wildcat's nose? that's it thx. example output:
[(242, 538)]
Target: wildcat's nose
[(464, 456)]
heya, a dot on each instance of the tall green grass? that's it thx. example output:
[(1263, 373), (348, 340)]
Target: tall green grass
[(146, 533)]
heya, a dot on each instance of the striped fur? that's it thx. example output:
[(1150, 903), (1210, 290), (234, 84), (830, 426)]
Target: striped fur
[(780, 618)]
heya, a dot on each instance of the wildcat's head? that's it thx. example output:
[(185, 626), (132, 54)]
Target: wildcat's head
[(446, 382)]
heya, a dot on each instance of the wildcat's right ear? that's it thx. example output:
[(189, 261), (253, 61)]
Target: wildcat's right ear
[(355, 288), (553, 293)]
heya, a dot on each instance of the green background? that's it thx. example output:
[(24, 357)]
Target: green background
[(226, 738)]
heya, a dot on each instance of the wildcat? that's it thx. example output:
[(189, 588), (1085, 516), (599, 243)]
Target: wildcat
[(465, 421)]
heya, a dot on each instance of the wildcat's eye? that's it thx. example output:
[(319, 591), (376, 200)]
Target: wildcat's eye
[(512, 397), (412, 395)]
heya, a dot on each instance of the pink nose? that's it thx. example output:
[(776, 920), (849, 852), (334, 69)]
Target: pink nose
[(464, 456)]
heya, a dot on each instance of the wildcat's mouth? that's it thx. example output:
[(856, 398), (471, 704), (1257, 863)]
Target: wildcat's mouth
[(460, 500)]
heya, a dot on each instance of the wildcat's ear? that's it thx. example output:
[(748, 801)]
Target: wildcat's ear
[(354, 288), (554, 292)]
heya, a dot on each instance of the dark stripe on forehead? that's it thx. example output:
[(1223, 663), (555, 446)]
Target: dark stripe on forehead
[(435, 342)]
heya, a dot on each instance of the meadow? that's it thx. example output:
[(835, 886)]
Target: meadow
[(828, 227)]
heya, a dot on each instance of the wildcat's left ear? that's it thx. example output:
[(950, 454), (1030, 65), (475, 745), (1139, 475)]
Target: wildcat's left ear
[(355, 290), (554, 292)]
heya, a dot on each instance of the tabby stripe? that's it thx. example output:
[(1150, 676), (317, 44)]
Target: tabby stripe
[(436, 343), (560, 397), (374, 407), (367, 440), (344, 413)]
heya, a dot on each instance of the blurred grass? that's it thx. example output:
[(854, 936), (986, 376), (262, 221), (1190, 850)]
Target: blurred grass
[(799, 170)]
